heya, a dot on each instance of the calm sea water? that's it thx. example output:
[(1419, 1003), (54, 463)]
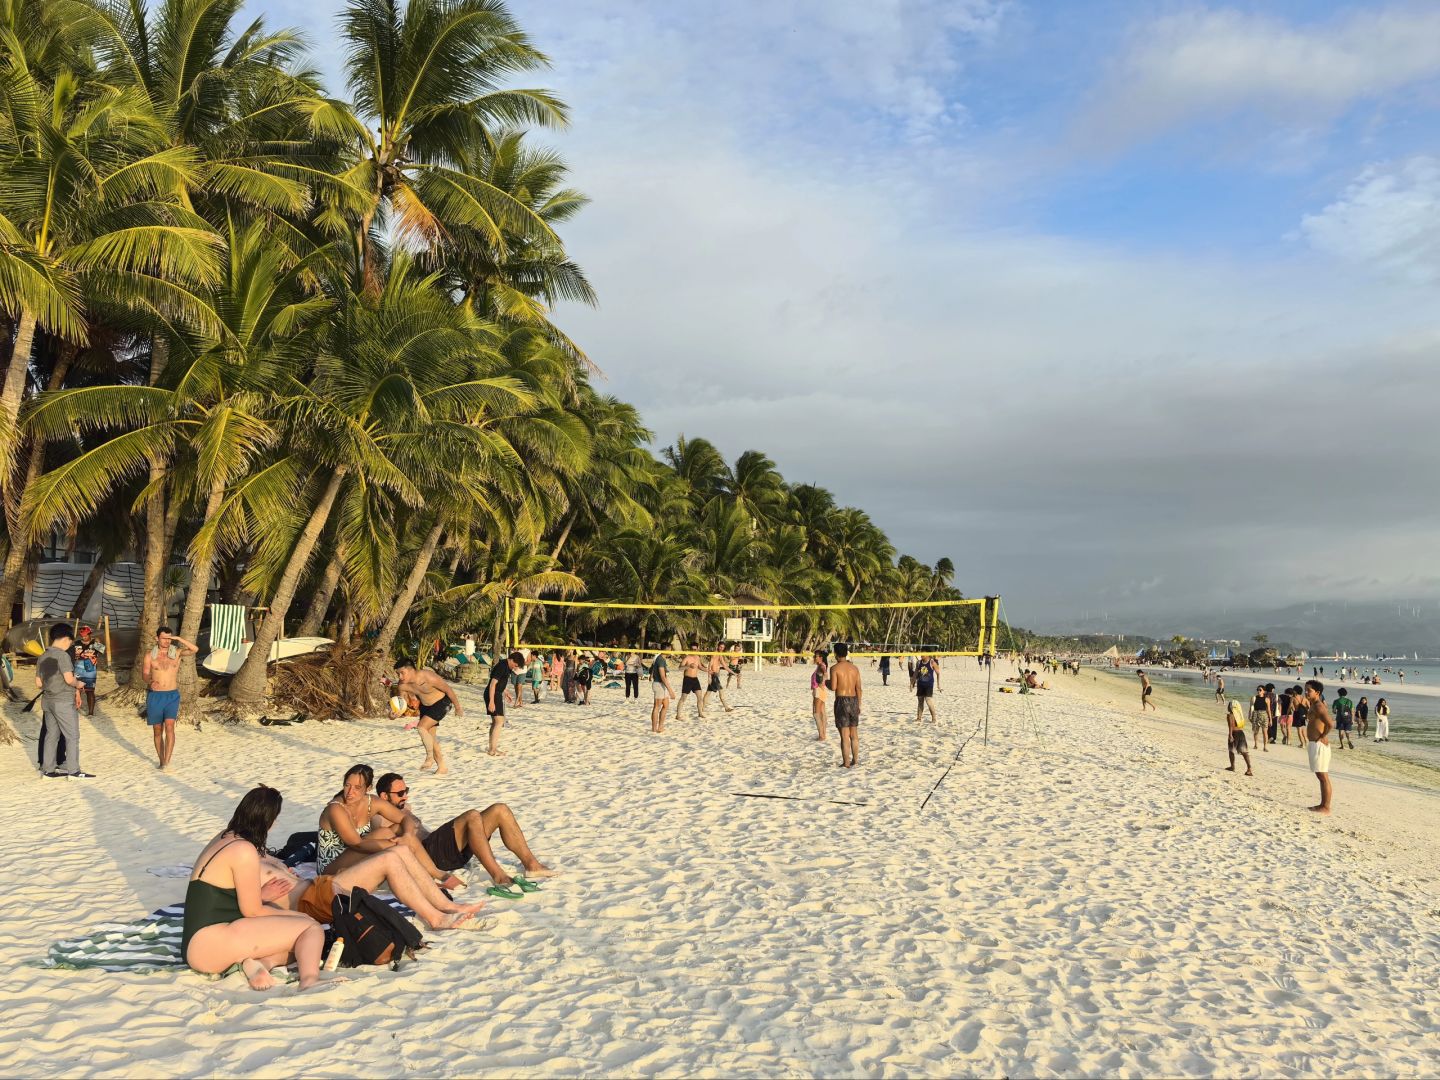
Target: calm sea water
[(1414, 718)]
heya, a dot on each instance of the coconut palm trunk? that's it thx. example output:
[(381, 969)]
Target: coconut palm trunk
[(248, 685), (202, 570), (320, 602), (554, 556), (92, 582), (14, 392), (401, 608), (157, 552)]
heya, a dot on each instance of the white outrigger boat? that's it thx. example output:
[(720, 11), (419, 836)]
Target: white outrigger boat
[(230, 644)]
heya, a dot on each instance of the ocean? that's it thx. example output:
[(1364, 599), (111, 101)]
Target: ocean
[(1414, 718)]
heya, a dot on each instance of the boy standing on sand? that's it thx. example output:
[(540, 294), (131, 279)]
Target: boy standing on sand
[(161, 672), (714, 687), (690, 684), (1318, 726), (1344, 712), (1235, 721), (844, 680), (1145, 691)]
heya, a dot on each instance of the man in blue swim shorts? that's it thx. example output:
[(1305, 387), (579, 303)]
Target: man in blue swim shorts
[(161, 672)]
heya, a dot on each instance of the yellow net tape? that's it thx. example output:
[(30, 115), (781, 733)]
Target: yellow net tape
[(746, 655), (747, 607)]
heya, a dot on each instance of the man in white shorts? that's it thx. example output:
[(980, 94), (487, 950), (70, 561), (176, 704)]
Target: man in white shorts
[(1318, 726)]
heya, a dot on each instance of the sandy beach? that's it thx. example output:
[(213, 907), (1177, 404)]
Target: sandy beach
[(1088, 894)]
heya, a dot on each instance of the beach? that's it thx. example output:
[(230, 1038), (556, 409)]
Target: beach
[(1087, 893)]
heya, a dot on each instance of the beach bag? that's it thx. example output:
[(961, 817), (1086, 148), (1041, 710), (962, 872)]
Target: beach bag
[(373, 931)]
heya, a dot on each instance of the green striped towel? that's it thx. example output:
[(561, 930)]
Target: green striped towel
[(151, 944), (227, 626)]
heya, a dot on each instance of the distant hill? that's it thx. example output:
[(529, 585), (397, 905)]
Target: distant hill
[(1323, 627)]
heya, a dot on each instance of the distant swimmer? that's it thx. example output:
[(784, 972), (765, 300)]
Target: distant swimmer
[(1145, 691)]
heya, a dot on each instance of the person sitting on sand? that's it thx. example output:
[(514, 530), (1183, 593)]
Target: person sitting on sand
[(436, 697), (453, 843), (315, 896), (348, 832), (228, 917), (1235, 743)]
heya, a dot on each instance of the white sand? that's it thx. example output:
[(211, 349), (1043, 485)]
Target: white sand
[(1088, 895)]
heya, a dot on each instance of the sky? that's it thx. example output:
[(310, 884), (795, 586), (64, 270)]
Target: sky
[(1126, 307)]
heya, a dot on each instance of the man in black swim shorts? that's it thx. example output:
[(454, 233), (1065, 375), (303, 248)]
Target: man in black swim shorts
[(436, 696), (500, 676), (451, 846)]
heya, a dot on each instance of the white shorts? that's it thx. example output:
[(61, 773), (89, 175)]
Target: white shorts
[(661, 694), (1319, 756)]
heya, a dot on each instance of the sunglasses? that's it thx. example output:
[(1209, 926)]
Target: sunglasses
[(399, 794)]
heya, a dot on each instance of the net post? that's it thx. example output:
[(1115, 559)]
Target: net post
[(989, 613)]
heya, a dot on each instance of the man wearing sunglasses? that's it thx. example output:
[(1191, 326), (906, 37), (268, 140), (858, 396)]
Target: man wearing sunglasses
[(451, 845)]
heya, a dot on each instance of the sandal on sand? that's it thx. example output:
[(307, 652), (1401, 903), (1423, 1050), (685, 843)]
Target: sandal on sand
[(525, 884), (503, 892)]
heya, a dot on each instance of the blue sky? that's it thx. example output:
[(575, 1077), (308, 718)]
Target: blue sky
[(1104, 300)]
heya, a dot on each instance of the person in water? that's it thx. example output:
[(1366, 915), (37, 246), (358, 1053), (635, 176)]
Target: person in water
[(228, 917)]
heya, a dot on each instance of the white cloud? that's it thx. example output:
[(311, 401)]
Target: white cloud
[(1217, 64), (1389, 217)]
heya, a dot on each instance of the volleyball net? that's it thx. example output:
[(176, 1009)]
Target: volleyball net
[(768, 631)]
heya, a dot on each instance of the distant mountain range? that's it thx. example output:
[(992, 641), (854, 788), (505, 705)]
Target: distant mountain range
[(1324, 627)]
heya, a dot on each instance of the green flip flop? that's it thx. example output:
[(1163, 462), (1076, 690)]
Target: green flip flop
[(502, 891), (525, 884)]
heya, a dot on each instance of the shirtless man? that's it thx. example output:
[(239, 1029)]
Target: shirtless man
[(844, 681), (1145, 691), (1219, 689), (690, 684), (453, 843), (436, 697), (161, 672), (1318, 726), (716, 666)]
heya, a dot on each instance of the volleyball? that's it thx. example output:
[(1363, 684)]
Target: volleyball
[(398, 705)]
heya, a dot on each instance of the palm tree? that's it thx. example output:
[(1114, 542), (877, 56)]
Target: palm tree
[(700, 466), (757, 488), (397, 377), (429, 79)]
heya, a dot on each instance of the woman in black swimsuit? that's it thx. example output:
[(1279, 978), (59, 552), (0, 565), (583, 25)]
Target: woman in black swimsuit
[(227, 917)]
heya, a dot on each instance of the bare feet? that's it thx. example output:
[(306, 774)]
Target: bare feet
[(452, 920), (442, 770), (1318, 809), (540, 870), (257, 975), (453, 883), (322, 980), (1229, 768), (496, 753), (1249, 773), (427, 764)]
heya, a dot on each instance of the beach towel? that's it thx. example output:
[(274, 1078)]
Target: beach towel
[(227, 626), (148, 944)]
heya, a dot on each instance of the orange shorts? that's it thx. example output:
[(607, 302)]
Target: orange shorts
[(317, 900)]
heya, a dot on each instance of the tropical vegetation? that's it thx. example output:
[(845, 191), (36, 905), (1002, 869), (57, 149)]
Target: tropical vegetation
[(304, 346)]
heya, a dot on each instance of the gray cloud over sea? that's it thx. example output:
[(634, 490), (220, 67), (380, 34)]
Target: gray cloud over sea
[(827, 231)]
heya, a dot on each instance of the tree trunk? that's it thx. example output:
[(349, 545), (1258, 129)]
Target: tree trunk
[(156, 551), (92, 582), (248, 685), (554, 557), (13, 393), (407, 597), (320, 602), (12, 577), (202, 569)]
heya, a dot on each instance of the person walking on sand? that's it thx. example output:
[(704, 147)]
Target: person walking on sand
[(161, 672), (500, 676), (818, 682), (1219, 687), (690, 684), (844, 681), (1145, 690), (927, 683), (885, 670), (1235, 722), (661, 691), (1343, 709), (60, 705), (714, 687), (436, 697), (1382, 721), (1362, 716), (1318, 726)]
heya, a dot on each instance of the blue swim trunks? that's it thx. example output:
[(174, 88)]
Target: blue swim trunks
[(161, 705)]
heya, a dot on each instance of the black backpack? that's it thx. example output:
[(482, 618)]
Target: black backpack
[(372, 930)]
